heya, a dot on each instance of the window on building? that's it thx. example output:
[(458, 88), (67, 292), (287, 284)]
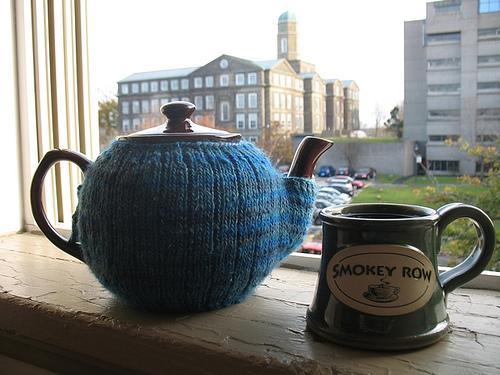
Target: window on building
[(444, 113), (184, 84), (155, 106), (253, 139), (289, 121), (443, 138), (488, 6), (488, 113), (240, 101), (488, 86), (209, 81), (276, 100), (444, 165), (125, 125), (164, 85), (185, 99), (298, 122), (283, 119), (174, 99), (163, 101), (447, 63), (240, 121), (240, 79), (252, 100), (486, 138), (144, 86), (224, 80), (224, 111), (252, 78), (442, 38), (198, 102), (154, 86), (198, 82), (447, 6), (252, 121), (276, 117), (284, 45), (174, 85), (209, 102), (282, 80), (288, 81), (447, 88), (489, 33), (125, 108), (145, 106), (136, 108), (282, 100), (136, 123), (488, 60), (289, 101), (135, 88), (124, 88)]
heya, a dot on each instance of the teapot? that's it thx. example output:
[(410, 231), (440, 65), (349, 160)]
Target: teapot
[(182, 217)]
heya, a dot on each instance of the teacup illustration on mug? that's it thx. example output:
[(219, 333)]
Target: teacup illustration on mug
[(383, 292), (379, 286)]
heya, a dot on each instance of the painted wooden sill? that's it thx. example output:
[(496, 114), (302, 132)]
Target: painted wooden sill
[(55, 315)]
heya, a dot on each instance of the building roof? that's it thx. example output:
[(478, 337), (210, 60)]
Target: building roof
[(331, 80), (267, 64), (308, 74), (158, 74), (347, 82), (287, 17)]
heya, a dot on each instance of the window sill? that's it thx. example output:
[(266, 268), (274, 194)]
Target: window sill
[(55, 315)]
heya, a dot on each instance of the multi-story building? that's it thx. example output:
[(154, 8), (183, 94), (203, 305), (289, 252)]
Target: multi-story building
[(285, 94), (452, 81)]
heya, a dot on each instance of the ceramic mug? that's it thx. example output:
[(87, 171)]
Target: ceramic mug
[(379, 286)]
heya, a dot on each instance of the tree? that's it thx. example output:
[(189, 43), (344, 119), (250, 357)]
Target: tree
[(379, 115), (276, 143), (108, 121), (396, 122)]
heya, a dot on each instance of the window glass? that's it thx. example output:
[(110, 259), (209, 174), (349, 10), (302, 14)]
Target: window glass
[(136, 123), (488, 86), (240, 79), (240, 101), (252, 78), (240, 121), (224, 80), (164, 85), (125, 125), (185, 99), (125, 108), (209, 102), (447, 6), (450, 63), (136, 106), (145, 106), (198, 102), (144, 86), (209, 81), (488, 59), (252, 121), (135, 88), (198, 82), (154, 86), (155, 106), (487, 6), (493, 32), (224, 111), (289, 101), (442, 38), (124, 88), (184, 84), (252, 100), (163, 101), (444, 113), (174, 85), (444, 88)]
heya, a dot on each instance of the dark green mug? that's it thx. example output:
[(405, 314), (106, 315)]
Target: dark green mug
[(379, 286)]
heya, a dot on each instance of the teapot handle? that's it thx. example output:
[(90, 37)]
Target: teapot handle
[(50, 158)]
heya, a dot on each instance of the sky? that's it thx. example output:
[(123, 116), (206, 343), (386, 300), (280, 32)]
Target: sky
[(360, 40)]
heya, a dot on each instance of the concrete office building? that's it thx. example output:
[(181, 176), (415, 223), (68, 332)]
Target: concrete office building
[(452, 81), (285, 94)]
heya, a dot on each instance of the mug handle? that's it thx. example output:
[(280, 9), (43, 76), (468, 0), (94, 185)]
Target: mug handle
[(475, 263), (50, 158)]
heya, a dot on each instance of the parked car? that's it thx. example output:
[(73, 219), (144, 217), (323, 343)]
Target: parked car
[(334, 192), (311, 248), (326, 171), (334, 200), (322, 203), (345, 171), (343, 188), (365, 173), (341, 181), (357, 184)]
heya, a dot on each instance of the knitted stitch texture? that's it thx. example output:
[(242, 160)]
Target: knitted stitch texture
[(188, 226)]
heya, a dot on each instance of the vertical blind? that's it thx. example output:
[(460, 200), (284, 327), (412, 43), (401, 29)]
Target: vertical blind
[(56, 109)]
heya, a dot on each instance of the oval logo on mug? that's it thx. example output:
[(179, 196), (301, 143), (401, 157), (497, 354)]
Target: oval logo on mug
[(381, 279)]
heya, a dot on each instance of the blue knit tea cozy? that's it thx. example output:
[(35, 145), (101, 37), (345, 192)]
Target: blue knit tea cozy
[(188, 226), (184, 217)]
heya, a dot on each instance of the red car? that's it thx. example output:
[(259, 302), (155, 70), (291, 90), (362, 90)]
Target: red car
[(357, 184), (311, 248)]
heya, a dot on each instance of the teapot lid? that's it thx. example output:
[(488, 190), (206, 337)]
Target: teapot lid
[(179, 127)]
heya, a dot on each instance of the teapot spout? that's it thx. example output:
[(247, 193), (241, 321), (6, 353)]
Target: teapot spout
[(306, 156)]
